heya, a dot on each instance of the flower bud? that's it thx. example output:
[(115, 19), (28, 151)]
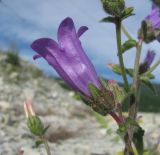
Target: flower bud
[(35, 125), (114, 7), (147, 32), (33, 122)]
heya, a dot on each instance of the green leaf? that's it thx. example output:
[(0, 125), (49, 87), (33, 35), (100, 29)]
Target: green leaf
[(101, 119), (147, 83), (38, 143), (128, 45), (130, 121), (130, 71), (149, 76), (45, 129), (122, 130), (116, 68), (127, 13), (138, 140), (108, 19)]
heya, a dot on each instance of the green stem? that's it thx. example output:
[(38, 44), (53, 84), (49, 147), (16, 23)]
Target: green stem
[(134, 98), (135, 86), (126, 32), (153, 67), (46, 145), (120, 56), (128, 145)]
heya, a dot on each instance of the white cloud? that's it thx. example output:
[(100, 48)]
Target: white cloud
[(26, 21)]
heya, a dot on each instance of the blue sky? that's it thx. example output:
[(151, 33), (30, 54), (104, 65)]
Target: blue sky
[(24, 21)]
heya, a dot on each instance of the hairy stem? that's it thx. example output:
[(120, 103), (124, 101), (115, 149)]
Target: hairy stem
[(128, 146), (120, 56), (136, 83), (118, 119), (46, 145), (134, 98)]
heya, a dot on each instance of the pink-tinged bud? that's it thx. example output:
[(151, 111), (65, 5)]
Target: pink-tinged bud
[(112, 82), (110, 65), (33, 122), (28, 108)]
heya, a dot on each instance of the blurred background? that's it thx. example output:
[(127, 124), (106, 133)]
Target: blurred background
[(21, 22), (24, 21)]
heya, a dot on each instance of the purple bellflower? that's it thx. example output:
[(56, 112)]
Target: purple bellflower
[(153, 20), (67, 57), (145, 65), (154, 16)]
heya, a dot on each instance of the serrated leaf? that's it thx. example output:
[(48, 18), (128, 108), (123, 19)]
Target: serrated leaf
[(147, 83), (127, 13), (138, 140), (108, 19), (128, 45)]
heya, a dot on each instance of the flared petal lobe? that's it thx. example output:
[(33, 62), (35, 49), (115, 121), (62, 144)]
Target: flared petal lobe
[(49, 50), (68, 58), (154, 17), (81, 30)]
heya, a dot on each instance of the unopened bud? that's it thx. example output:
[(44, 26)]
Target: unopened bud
[(28, 108), (114, 7), (33, 122), (35, 125)]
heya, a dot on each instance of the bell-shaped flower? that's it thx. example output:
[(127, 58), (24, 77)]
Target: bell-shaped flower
[(67, 57), (145, 65), (154, 17), (153, 24)]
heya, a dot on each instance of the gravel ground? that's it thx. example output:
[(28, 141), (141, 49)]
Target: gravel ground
[(73, 129)]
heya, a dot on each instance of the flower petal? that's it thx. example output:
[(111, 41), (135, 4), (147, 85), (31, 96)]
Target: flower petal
[(154, 16), (69, 42), (49, 50), (82, 30)]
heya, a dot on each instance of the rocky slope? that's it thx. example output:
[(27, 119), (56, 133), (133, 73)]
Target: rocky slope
[(74, 129)]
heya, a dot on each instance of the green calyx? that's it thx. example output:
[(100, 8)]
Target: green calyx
[(114, 7), (35, 125), (101, 100), (147, 32), (104, 100)]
